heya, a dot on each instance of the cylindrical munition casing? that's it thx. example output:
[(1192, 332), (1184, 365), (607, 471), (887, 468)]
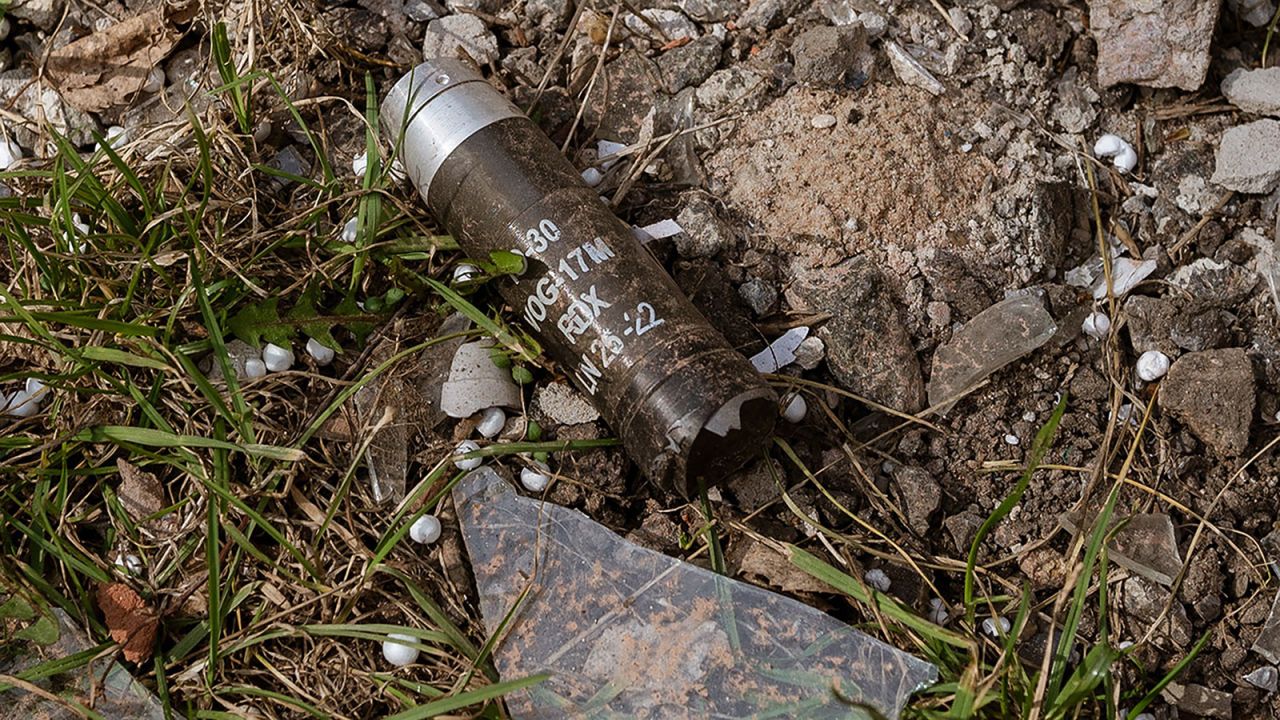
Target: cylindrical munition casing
[(684, 403)]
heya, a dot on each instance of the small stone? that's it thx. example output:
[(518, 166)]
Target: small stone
[(673, 24), (823, 121), (1255, 12), (910, 71), (448, 36), (690, 64), (1157, 43), (1248, 158), (768, 14), (1213, 393), (997, 336), (1199, 700), (42, 105), (809, 352), (1149, 321), (1264, 678), (563, 405), (289, 162), (1255, 91), (705, 234), (1267, 643), (759, 295), (833, 57), (918, 494), (44, 14)]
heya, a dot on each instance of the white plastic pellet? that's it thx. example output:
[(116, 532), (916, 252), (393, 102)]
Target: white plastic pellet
[(1124, 157), (592, 177), (321, 353), (938, 612), (535, 479), (10, 153), (465, 272), (794, 408), (462, 463), (254, 368), (491, 422), (425, 529), (1096, 325), (1011, 439), (277, 358), (116, 136), (360, 165), (35, 387), (1152, 365), (397, 653), (877, 579), (131, 564), (349, 231), (996, 626), (155, 80)]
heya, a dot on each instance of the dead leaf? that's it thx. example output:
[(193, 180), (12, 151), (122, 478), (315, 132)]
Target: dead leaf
[(130, 620), (110, 66), (140, 492)]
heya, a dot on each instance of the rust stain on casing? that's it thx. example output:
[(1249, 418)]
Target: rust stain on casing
[(684, 403)]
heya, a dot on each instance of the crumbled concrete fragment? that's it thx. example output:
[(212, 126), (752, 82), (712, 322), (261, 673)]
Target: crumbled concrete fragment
[(690, 64), (833, 57), (1248, 158), (44, 14), (918, 495), (994, 338), (910, 71), (1213, 393), (704, 233), (768, 14), (1255, 91), (563, 405), (448, 35), (672, 24), (1157, 43), (1255, 12), (759, 295)]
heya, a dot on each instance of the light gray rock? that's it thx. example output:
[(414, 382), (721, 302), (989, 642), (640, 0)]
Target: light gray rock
[(562, 405), (704, 233), (672, 24), (41, 105), (769, 14), (1249, 158), (1255, 12), (1213, 393), (910, 71), (44, 14), (447, 36), (833, 57), (1157, 43), (1255, 91), (759, 295)]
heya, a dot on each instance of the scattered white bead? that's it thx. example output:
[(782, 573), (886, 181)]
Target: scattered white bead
[(321, 353), (592, 177), (876, 578), (397, 653), (1145, 716), (277, 358), (35, 387), (155, 80), (1125, 158), (823, 121), (349, 231), (996, 626), (23, 405), (359, 164), (938, 612), (1029, 416), (10, 153), (131, 564), (254, 368), (1124, 644), (535, 480), (1011, 439), (81, 227), (465, 272), (1096, 325), (116, 136), (794, 408), (462, 463), (491, 422), (425, 529), (1152, 365)]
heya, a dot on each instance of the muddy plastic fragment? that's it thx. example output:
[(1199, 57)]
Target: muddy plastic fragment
[(475, 383), (997, 336), (684, 403), (102, 684), (629, 632), (1147, 546)]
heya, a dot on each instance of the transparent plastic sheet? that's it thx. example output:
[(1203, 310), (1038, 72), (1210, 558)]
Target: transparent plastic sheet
[(628, 632)]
